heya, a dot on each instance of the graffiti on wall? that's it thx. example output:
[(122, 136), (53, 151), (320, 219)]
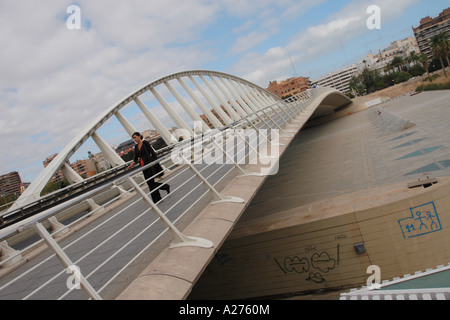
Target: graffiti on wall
[(424, 219), (315, 265)]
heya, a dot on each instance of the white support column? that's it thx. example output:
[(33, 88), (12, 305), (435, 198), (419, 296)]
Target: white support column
[(113, 158), (248, 96), (125, 123), (236, 93), (266, 98), (211, 117), (194, 116), (213, 103), (255, 94), (175, 117), (7, 253), (271, 98), (71, 175), (224, 103), (65, 260), (232, 100), (249, 106), (181, 240), (165, 134)]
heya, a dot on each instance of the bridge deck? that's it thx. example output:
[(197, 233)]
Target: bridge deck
[(341, 183), (112, 248), (384, 160), (173, 273)]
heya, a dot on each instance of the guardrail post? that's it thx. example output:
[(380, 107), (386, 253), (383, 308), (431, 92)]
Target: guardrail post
[(57, 227), (183, 240), (243, 171), (279, 114), (65, 260), (8, 255), (219, 197)]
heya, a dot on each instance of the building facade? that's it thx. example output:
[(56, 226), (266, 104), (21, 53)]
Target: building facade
[(339, 79), (400, 48), (82, 167), (289, 87), (429, 27), (11, 184)]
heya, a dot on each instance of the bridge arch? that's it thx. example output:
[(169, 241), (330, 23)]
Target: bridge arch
[(222, 98), (284, 117)]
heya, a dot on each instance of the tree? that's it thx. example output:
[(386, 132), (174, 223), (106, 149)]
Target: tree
[(445, 46), (369, 79), (439, 45), (53, 186), (357, 86), (413, 57), (398, 62), (388, 68), (423, 59), (402, 77), (416, 70)]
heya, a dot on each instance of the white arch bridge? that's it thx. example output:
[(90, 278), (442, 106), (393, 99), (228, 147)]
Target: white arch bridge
[(240, 130)]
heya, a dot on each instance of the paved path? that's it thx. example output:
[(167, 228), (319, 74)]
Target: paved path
[(352, 153), (343, 156), (143, 229), (140, 221)]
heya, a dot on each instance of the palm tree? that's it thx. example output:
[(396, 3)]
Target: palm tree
[(398, 62), (439, 44), (446, 47), (413, 57), (424, 61), (388, 68)]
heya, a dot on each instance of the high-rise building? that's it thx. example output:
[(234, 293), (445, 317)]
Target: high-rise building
[(429, 27), (339, 79), (11, 184), (289, 87)]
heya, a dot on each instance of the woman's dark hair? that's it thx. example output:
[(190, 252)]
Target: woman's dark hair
[(137, 134)]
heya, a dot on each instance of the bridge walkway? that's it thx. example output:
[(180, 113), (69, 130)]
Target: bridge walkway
[(124, 267)]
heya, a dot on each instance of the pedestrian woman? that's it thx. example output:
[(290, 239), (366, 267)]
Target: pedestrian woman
[(145, 154)]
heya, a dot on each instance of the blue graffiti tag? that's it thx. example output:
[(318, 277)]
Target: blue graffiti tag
[(424, 219)]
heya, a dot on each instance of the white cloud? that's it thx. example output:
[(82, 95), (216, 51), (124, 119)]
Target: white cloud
[(55, 80), (317, 40), (245, 43), (142, 24)]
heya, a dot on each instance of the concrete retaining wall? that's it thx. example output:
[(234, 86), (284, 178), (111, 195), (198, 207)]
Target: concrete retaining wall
[(315, 247)]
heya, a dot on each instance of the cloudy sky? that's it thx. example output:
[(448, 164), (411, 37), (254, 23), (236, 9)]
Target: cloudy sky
[(54, 81)]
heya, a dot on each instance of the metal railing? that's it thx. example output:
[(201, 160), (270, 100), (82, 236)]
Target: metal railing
[(102, 251), (387, 290), (39, 204)]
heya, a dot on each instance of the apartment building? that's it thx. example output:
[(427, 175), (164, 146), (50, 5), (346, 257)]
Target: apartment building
[(400, 48), (82, 167), (289, 87), (339, 79), (11, 184), (429, 27)]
